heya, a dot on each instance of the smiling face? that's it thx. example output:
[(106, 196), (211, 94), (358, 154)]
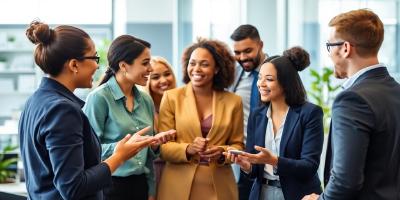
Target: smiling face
[(138, 72), (161, 79), (248, 53), (86, 68), (201, 68), (268, 85)]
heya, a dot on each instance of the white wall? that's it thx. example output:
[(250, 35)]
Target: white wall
[(262, 14), (159, 11)]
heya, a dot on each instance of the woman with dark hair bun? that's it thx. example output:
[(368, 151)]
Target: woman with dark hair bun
[(117, 107), (283, 154), (59, 149)]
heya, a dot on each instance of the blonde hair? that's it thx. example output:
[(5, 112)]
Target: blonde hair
[(161, 60)]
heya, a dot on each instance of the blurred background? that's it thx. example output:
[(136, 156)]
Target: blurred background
[(170, 26)]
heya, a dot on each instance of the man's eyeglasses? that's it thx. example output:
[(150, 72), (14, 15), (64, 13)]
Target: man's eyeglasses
[(329, 45), (96, 58)]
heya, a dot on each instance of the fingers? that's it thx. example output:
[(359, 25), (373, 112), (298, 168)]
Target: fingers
[(252, 158), (146, 141), (312, 196), (230, 156), (212, 150), (264, 150), (126, 138), (211, 154), (166, 136), (200, 143), (143, 131)]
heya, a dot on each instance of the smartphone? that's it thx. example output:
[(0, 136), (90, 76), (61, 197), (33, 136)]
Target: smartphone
[(236, 152)]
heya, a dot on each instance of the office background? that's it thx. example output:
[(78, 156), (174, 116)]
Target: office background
[(170, 26)]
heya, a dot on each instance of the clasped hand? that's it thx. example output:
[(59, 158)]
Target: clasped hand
[(200, 146)]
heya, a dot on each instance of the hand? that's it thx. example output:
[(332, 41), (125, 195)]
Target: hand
[(151, 198), (164, 137), (130, 145), (212, 153), (312, 196), (199, 145), (139, 136), (263, 157), (238, 159)]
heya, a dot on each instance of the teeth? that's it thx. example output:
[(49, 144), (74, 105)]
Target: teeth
[(265, 92), (164, 87), (197, 77)]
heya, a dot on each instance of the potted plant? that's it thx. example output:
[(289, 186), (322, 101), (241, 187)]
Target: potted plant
[(322, 92), (102, 50), (7, 162)]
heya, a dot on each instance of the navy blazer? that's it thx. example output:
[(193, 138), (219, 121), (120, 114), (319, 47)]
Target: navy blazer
[(300, 150), (365, 140), (59, 149)]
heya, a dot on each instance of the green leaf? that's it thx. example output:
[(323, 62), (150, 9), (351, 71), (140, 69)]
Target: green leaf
[(4, 164)]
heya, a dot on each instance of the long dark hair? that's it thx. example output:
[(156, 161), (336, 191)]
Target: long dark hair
[(56, 46), (124, 48)]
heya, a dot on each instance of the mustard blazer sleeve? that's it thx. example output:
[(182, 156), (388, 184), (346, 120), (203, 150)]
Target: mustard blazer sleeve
[(172, 151), (178, 111)]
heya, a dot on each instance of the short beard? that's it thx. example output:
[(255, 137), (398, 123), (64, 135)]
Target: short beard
[(256, 61)]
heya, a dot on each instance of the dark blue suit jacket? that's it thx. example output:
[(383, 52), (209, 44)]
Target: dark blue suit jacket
[(365, 140), (60, 151), (300, 150)]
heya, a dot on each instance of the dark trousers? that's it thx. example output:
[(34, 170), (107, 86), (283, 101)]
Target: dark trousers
[(133, 187), (244, 186)]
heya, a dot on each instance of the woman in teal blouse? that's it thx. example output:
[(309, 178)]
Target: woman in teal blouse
[(117, 106)]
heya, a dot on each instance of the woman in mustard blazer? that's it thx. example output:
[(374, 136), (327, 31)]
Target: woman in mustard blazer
[(208, 120)]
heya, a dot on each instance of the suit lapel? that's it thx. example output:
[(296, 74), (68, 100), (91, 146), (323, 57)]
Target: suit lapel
[(262, 122), (191, 111), (290, 122), (217, 109)]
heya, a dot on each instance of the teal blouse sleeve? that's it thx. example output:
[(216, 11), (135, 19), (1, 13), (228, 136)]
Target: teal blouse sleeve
[(96, 109)]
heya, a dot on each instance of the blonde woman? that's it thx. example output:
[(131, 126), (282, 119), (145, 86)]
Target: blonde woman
[(161, 79)]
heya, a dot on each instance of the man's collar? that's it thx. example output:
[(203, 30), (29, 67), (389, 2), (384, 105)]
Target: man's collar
[(350, 81)]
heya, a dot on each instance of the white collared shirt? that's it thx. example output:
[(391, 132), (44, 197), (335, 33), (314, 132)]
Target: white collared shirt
[(349, 82), (243, 89), (272, 143)]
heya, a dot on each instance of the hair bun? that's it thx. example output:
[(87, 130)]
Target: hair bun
[(39, 33), (298, 56)]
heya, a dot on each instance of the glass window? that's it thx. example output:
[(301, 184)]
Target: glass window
[(56, 12)]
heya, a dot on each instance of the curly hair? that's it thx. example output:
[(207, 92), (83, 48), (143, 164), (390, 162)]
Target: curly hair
[(224, 62)]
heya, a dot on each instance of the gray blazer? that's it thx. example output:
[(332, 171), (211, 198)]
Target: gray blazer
[(365, 140)]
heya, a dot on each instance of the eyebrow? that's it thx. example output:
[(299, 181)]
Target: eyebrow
[(247, 49), (199, 60), (268, 75)]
